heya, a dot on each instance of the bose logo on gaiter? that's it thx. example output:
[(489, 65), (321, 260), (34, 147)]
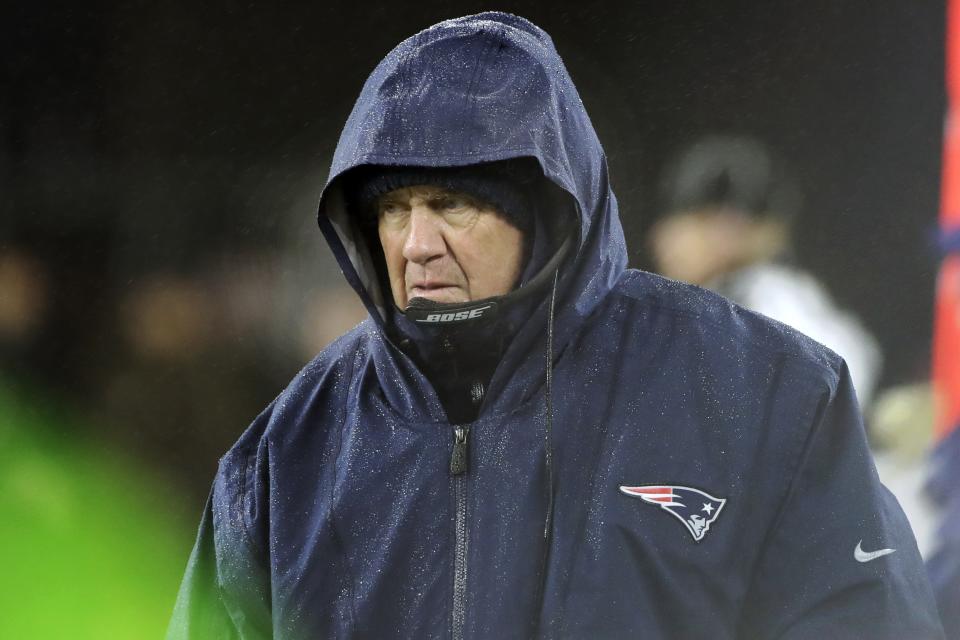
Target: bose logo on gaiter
[(453, 317)]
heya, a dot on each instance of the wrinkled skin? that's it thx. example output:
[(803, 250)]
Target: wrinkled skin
[(446, 246)]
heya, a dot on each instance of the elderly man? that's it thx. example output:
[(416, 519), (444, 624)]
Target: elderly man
[(525, 438)]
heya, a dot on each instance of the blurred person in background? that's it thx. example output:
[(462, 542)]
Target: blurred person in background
[(729, 205), (24, 298), (477, 459)]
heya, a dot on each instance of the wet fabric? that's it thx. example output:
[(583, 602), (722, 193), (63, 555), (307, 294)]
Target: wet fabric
[(793, 296), (336, 514), (944, 564)]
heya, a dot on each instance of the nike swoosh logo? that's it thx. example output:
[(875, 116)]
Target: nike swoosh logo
[(866, 556)]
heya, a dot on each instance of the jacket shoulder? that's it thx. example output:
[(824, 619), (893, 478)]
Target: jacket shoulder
[(328, 373), (722, 326), (311, 406), (309, 401)]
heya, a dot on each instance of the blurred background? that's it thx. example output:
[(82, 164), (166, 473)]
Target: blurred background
[(162, 277)]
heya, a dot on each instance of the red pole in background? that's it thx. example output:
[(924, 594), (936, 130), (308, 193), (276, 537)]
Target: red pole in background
[(946, 336)]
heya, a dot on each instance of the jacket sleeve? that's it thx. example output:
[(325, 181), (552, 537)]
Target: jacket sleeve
[(225, 590), (840, 560)]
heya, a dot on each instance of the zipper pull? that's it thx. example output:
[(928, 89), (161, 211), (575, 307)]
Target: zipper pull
[(460, 458)]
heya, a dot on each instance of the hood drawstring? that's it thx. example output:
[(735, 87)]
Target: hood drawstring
[(548, 453)]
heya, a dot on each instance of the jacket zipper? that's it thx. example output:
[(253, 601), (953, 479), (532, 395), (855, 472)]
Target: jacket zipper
[(459, 465)]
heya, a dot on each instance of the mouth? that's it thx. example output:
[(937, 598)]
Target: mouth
[(440, 291), (428, 287)]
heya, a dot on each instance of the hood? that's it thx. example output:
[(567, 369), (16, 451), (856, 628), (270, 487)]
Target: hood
[(481, 88)]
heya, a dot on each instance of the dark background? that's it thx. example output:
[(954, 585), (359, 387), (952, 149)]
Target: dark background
[(154, 155)]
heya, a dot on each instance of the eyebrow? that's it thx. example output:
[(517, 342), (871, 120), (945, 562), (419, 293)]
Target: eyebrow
[(437, 196), (448, 194)]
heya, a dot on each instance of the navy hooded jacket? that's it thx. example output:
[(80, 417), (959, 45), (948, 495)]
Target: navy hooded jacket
[(691, 470)]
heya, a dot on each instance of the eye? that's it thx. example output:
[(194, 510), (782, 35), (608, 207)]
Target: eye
[(453, 203), (389, 208)]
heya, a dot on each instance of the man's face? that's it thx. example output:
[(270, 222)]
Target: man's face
[(700, 245), (446, 246)]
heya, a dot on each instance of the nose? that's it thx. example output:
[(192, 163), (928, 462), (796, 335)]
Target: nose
[(424, 241)]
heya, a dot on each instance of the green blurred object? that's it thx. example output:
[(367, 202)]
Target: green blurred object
[(88, 545), (901, 422)]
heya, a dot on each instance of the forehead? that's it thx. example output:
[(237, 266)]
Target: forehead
[(421, 191)]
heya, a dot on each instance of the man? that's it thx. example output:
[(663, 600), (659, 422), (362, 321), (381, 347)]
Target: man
[(526, 439)]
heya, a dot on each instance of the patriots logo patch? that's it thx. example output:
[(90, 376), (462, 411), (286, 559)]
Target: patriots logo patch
[(696, 509)]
